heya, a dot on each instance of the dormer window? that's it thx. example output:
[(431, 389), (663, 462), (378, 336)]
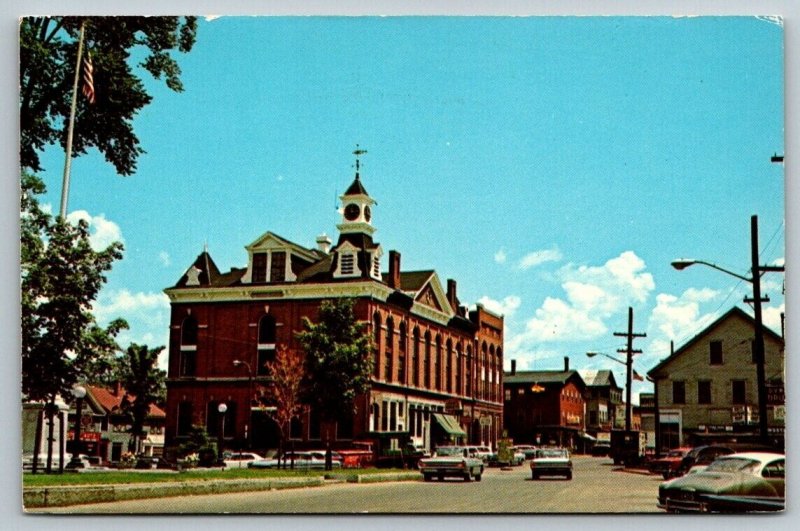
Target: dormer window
[(259, 267), (277, 269), (347, 261), (376, 267)]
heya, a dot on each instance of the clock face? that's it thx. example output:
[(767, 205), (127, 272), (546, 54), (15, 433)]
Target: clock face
[(367, 213), (351, 212)]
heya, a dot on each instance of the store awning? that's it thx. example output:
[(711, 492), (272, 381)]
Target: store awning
[(586, 436), (450, 424)]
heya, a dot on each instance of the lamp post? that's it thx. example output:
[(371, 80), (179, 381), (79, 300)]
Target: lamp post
[(78, 392), (758, 344), (239, 363), (222, 408)]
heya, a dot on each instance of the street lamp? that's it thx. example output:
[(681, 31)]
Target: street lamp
[(78, 392), (222, 408), (758, 344), (239, 363)]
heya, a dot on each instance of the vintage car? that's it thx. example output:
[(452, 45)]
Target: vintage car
[(314, 460), (741, 482), (551, 462), (240, 459), (699, 457), (451, 461), (526, 449), (667, 466), (601, 449)]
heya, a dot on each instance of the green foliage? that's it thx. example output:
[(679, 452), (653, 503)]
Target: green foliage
[(144, 382), (199, 444), (48, 51), (61, 276), (338, 359)]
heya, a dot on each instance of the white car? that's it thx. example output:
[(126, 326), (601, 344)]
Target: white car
[(240, 459)]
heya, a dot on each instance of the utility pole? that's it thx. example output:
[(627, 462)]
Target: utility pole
[(629, 351)]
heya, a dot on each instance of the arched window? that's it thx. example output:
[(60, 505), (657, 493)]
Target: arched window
[(415, 358), (266, 344), (188, 357), (376, 331), (459, 370), (389, 351), (401, 354), (468, 371), (448, 367), (437, 363), (426, 362), (492, 373), (483, 376)]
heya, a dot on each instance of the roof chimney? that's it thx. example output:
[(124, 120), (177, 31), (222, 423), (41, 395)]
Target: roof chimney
[(513, 367), (566, 363), (323, 243), (117, 388), (451, 293), (394, 270)]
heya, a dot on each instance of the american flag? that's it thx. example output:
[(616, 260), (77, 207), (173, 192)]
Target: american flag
[(88, 79), (637, 376)]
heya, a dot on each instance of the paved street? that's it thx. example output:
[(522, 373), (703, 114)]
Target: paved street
[(596, 487)]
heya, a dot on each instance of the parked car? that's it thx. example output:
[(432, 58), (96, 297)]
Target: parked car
[(700, 457), (601, 450), (551, 462), (484, 453), (667, 466), (240, 459), (739, 482), (451, 461), (526, 449), (302, 460)]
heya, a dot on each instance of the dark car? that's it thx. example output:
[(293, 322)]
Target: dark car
[(702, 456), (601, 450), (741, 482)]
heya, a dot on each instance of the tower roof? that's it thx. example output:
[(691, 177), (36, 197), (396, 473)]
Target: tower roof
[(356, 188)]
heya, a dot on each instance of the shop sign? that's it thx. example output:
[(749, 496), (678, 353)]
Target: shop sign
[(486, 421), (86, 436), (779, 412), (452, 405), (775, 394)]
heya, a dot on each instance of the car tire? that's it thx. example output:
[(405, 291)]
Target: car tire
[(426, 477), (478, 476), (467, 476), (441, 478), (569, 476), (534, 476)]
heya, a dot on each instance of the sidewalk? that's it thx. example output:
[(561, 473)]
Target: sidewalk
[(59, 496)]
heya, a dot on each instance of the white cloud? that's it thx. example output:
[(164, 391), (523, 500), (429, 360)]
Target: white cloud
[(102, 232), (771, 317), (539, 257), (500, 256), (593, 295), (163, 256), (678, 318), (506, 307)]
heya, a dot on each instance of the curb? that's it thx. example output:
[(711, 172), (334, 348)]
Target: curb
[(59, 496)]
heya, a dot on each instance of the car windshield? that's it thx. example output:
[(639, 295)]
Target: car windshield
[(551, 453), (734, 464), (675, 453), (449, 450)]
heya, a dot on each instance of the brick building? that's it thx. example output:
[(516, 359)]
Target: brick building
[(438, 367), (545, 407), (707, 389)]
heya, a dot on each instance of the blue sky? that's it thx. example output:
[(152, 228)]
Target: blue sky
[(553, 166)]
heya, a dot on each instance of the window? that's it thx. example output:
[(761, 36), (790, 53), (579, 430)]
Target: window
[(184, 418), (266, 344), (188, 357), (738, 392), (401, 358), (704, 392), (507, 394), (387, 374), (426, 362), (376, 325), (296, 428), (384, 415), (259, 267), (277, 268), (776, 469), (592, 417), (437, 364), (468, 371), (415, 359), (678, 392), (376, 267), (459, 361), (715, 353), (448, 367)]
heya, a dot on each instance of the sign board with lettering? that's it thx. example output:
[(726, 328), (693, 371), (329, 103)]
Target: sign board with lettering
[(775, 395)]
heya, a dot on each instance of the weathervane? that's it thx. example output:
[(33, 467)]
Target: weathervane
[(358, 152)]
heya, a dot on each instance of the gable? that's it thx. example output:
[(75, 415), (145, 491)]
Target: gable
[(432, 295), (427, 297)]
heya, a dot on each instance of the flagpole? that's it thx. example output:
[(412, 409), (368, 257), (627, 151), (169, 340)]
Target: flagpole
[(68, 161)]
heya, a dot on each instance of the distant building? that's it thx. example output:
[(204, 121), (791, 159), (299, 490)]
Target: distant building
[(545, 407), (437, 371), (105, 430), (603, 397), (707, 389)]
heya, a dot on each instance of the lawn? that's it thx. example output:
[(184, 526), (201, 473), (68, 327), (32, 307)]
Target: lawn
[(198, 474)]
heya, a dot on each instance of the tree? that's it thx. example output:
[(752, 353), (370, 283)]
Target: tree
[(287, 377), (338, 360), (61, 276), (48, 50), (144, 384)]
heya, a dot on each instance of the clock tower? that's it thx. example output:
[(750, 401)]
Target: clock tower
[(356, 254)]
